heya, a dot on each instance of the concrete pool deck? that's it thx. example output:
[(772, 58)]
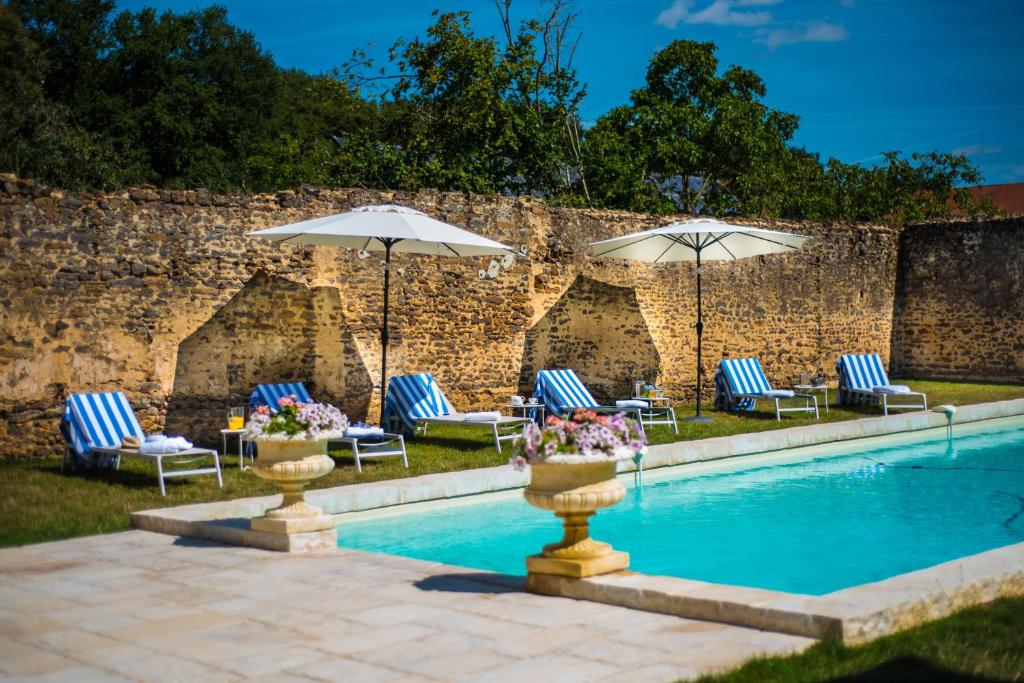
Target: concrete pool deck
[(138, 606)]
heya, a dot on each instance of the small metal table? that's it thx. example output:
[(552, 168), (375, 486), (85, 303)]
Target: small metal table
[(224, 434), (813, 387), (523, 410)]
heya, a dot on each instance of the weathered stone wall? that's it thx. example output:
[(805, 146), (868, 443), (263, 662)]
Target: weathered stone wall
[(160, 293), (959, 310)]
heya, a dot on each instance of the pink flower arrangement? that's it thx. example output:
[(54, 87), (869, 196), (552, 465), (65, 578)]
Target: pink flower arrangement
[(294, 420), (586, 433)]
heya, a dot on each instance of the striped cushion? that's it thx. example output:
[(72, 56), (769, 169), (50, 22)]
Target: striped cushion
[(414, 396), (745, 376), (269, 394), (561, 391), (99, 420), (862, 371)]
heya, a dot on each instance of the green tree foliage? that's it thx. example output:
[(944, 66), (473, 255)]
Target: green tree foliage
[(688, 137), (475, 113), (94, 99)]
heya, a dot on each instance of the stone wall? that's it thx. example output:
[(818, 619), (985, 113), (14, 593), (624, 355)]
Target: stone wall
[(160, 293), (959, 310)]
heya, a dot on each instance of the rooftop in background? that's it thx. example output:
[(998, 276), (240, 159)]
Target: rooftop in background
[(1008, 196)]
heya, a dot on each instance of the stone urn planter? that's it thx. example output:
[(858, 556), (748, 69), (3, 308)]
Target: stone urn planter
[(292, 464), (575, 487)]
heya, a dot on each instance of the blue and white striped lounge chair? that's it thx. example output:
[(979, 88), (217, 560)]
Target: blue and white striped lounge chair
[(862, 379), (415, 401), (269, 394), (562, 392), (94, 426), (740, 383), (363, 447)]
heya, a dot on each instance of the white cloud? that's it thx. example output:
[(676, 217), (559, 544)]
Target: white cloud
[(803, 32), (975, 150), (719, 13)]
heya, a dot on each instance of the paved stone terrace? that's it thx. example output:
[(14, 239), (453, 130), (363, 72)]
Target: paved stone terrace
[(139, 606)]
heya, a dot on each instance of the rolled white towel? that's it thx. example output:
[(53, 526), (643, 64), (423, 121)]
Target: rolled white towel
[(892, 389), (164, 445), (483, 416), (360, 432), (778, 393), (631, 403)]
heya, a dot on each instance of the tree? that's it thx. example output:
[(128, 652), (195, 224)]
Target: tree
[(690, 138), (467, 113)]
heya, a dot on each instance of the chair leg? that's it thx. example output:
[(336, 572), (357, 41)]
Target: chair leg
[(355, 454), (216, 464), (497, 441), (817, 415), (778, 415), (885, 405), (405, 457), (160, 474), (672, 414)]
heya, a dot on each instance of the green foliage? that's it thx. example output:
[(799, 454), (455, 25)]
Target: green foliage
[(688, 138), (98, 100)]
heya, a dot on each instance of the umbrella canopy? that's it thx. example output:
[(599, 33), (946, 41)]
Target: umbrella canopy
[(698, 239), (372, 227), (392, 229)]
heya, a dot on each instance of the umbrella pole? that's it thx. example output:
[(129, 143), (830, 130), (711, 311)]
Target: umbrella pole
[(700, 334), (384, 328)]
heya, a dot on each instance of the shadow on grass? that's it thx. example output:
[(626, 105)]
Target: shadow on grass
[(912, 670), (472, 582), (452, 442)]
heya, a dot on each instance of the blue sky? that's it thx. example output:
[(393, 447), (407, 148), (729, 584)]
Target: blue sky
[(864, 75)]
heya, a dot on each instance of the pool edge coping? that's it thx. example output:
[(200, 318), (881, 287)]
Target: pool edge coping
[(855, 615), (227, 521)]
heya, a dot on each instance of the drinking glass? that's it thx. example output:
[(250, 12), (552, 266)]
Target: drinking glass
[(236, 418)]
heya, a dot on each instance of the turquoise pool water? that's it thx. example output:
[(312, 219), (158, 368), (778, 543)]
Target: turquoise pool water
[(850, 516)]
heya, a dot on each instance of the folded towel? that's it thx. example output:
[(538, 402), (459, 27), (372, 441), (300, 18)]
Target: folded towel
[(130, 442), (631, 403), (359, 432), (485, 416), (162, 445), (778, 393), (892, 389)]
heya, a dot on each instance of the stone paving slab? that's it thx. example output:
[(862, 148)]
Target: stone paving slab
[(138, 606)]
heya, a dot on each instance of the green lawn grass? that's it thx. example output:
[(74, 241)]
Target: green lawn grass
[(984, 643), (39, 503)]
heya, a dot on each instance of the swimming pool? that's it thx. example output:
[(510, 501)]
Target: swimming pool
[(810, 521)]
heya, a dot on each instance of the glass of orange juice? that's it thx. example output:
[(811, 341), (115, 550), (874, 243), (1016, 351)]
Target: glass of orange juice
[(236, 418)]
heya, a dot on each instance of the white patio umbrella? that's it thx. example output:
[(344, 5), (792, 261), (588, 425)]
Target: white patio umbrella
[(698, 239), (392, 229)]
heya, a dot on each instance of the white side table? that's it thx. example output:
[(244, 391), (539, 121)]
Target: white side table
[(813, 387), (224, 434), (523, 410)]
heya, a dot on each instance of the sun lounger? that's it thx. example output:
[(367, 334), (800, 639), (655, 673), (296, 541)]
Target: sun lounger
[(95, 426), (561, 392), (740, 383), (269, 394), (862, 380), (414, 402), (364, 442)]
